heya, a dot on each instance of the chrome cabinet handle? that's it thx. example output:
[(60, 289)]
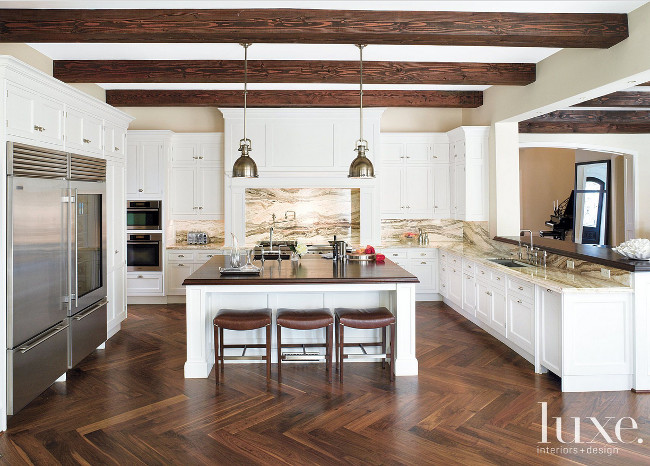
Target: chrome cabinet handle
[(55, 330), (201, 208), (424, 263), (498, 278), (140, 276), (76, 248), (181, 265), (519, 301), (140, 190), (521, 288), (40, 129), (103, 302), (201, 158), (435, 206), (489, 293), (549, 290), (408, 206), (423, 253), (117, 149), (482, 272), (181, 255), (87, 141)]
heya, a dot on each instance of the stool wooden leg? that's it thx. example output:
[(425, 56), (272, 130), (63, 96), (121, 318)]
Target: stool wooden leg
[(221, 348), (330, 350), (383, 346), (392, 352), (216, 354), (341, 347), (336, 328), (268, 353), (279, 329)]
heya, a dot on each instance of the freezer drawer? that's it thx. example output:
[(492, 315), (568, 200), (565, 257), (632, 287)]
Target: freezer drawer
[(87, 332), (35, 365)]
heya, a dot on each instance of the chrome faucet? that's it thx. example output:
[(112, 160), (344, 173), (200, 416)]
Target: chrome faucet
[(530, 250), (271, 232)]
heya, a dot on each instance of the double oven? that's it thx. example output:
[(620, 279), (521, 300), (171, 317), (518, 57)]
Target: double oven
[(144, 245)]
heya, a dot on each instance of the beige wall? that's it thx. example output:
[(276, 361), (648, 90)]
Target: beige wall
[(546, 175), (404, 119), (177, 119), (26, 54)]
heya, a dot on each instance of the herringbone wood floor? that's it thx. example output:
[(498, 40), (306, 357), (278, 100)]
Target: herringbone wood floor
[(474, 402)]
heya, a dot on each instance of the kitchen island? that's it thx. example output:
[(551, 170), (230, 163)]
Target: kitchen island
[(312, 282)]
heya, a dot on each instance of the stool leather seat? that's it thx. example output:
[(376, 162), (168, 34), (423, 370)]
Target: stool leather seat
[(373, 317), (246, 319), (304, 319)]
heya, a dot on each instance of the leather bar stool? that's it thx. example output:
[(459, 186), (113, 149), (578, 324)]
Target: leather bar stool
[(370, 318), (306, 319), (241, 319)]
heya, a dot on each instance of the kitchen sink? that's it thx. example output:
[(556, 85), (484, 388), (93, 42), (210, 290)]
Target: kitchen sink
[(509, 262)]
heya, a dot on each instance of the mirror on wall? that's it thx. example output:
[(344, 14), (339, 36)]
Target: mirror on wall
[(591, 206)]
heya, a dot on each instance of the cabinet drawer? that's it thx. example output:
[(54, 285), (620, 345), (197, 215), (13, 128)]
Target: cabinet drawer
[(469, 268), (422, 253), (521, 288), (444, 255), (498, 280), (144, 283), (203, 257), (181, 256), (454, 260), (483, 273), (393, 254)]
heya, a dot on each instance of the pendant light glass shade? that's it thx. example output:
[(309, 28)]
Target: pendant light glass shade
[(244, 166), (361, 166)]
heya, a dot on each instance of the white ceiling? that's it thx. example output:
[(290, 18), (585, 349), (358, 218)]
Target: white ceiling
[(521, 6), (220, 51)]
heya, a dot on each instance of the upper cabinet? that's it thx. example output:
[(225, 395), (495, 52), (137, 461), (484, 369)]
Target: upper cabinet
[(145, 164), (42, 111), (414, 175), (196, 176), (469, 173)]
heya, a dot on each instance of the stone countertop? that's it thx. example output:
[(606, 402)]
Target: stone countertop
[(184, 245), (553, 278)]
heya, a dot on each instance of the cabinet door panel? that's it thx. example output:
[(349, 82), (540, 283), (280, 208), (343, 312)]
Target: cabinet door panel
[(469, 294), (132, 165), (210, 192), (176, 274), (521, 323), (455, 286), (418, 151), (182, 192), (551, 330), (93, 129), (419, 193), (48, 114), (392, 152), (212, 153), (151, 168), (423, 269), (498, 318), (185, 153), (483, 302), (440, 153), (441, 191), (119, 216), (391, 189), (459, 192), (20, 111), (74, 129)]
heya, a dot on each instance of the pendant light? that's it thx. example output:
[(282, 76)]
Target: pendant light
[(361, 166), (245, 166)]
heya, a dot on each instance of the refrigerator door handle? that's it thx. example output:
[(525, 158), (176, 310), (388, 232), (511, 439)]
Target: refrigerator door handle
[(80, 316), (50, 334), (76, 249)]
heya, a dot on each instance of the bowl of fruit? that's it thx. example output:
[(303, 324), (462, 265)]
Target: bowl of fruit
[(366, 254)]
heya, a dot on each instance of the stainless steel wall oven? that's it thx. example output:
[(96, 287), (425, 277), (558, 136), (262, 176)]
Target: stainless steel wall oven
[(144, 252)]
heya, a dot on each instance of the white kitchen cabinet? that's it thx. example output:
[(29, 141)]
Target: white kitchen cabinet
[(550, 329), (469, 174), (84, 132), (182, 199), (425, 270), (418, 190), (483, 301), (146, 164), (176, 274), (391, 191), (116, 242), (521, 322), (455, 285), (114, 140), (441, 191), (499, 312), (144, 283), (469, 294), (34, 116)]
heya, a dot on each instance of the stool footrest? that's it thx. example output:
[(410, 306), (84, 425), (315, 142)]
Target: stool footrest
[(303, 357), (366, 356), (247, 358)]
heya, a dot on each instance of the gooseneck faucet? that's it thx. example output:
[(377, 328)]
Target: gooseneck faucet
[(271, 233), (521, 233)]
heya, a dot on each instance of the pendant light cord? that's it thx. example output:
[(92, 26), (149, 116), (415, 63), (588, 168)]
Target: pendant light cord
[(361, 46), (245, 83)]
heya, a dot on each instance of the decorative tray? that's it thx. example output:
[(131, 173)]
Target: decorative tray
[(240, 270), (360, 257)]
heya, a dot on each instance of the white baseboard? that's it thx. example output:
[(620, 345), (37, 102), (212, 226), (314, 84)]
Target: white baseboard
[(146, 299)]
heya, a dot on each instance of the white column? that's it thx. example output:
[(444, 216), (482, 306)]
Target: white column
[(405, 362), (641, 330), (504, 192), (200, 345)]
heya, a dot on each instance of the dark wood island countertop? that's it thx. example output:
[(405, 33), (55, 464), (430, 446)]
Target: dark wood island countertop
[(311, 269)]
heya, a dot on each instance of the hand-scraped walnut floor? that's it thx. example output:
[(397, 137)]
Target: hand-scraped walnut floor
[(474, 402)]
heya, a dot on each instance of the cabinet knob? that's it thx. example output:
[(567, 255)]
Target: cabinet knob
[(482, 272), (40, 129), (181, 255), (140, 190), (443, 269), (195, 157), (424, 263), (116, 251), (519, 301), (210, 255), (499, 279), (140, 276), (549, 290), (395, 255), (117, 149), (181, 265), (200, 208), (435, 156), (423, 253), (435, 206), (87, 141), (408, 206), (195, 207), (521, 288), (201, 158), (469, 266), (489, 293)]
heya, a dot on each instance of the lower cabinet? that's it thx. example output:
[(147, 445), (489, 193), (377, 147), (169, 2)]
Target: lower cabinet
[(144, 283), (176, 275), (483, 302), (521, 322), (499, 314), (181, 264), (421, 262), (455, 285), (469, 294), (550, 329)]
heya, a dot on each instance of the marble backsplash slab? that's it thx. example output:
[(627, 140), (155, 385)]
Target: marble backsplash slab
[(214, 228), (320, 213), (438, 230)]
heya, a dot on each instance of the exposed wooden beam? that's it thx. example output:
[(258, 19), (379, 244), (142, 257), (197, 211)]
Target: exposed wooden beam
[(619, 99), (579, 30), (291, 71), (292, 98), (595, 122)]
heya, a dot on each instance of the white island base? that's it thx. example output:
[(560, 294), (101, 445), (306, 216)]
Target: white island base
[(203, 302)]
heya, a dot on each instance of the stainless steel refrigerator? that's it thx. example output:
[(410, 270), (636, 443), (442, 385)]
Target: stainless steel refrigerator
[(56, 266)]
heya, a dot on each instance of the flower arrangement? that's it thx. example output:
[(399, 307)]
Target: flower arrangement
[(299, 249)]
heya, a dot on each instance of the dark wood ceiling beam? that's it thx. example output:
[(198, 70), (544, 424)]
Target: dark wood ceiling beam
[(579, 30), (592, 122), (292, 98), (619, 99), (291, 71)]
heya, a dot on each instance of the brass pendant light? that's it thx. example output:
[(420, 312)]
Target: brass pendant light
[(245, 166), (361, 166)]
